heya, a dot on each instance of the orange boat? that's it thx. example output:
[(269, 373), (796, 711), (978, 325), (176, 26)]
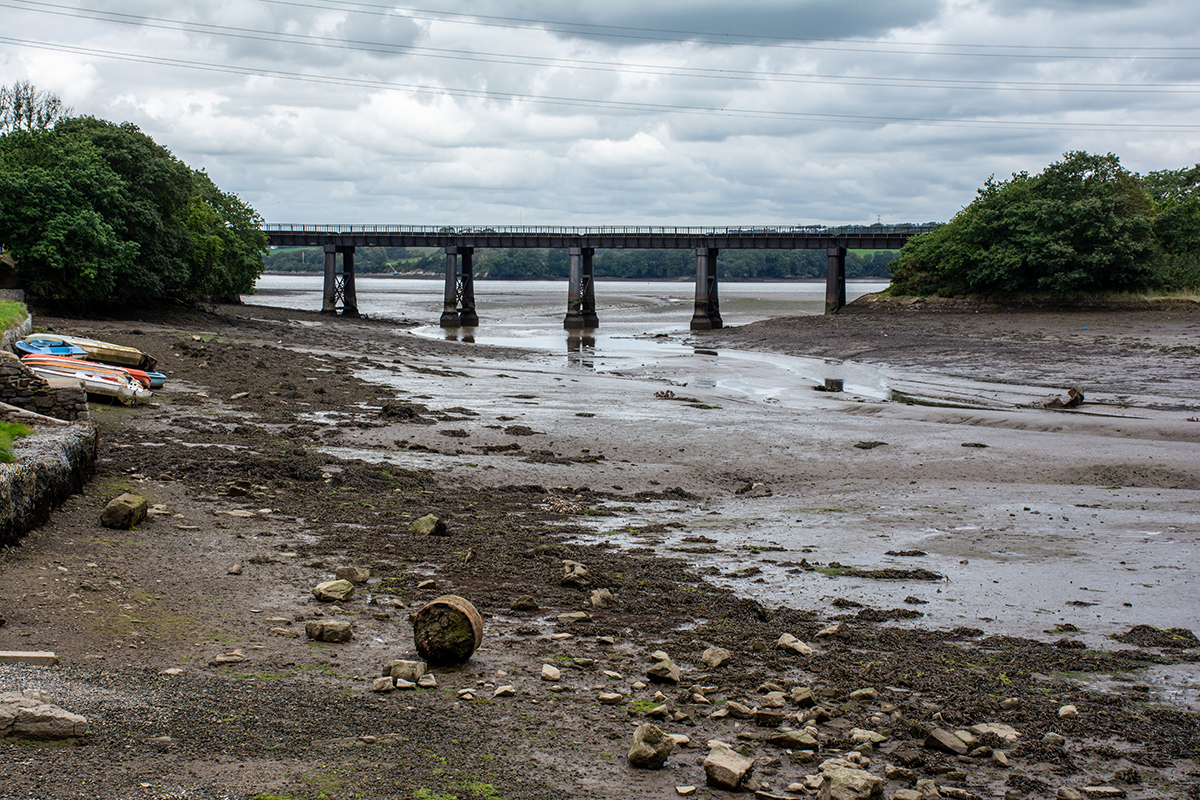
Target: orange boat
[(138, 375)]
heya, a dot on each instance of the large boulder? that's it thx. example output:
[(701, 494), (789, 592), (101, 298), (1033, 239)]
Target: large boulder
[(31, 715), (124, 512), (651, 747)]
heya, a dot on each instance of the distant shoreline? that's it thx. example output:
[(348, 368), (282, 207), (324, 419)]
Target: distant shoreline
[(605, 278)]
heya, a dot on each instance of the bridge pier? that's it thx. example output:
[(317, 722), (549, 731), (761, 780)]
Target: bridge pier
[(339, 286), (581, 291), (835, 280), (458, 302), (707, 314)]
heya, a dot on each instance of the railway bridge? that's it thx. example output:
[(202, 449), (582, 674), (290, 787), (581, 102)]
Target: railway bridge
[(460, 242)]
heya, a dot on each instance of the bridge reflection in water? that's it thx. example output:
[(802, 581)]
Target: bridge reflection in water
[(459, 244)]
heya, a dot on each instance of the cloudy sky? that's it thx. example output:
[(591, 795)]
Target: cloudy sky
[(654, 112)]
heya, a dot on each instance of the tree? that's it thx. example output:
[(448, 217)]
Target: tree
[(23, 107), (1084, 224), (98, 213)]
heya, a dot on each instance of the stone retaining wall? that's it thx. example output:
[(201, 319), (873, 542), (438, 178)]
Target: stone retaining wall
[(20, 387), (51, 466)]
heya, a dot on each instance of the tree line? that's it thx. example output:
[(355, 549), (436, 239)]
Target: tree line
[(1084, 225), (97, 213), (554, 264)]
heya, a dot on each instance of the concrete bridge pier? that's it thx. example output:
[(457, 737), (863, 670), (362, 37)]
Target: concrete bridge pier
[(835, 280), (458, 303), (339, 287), (581, 291), (707, 314)]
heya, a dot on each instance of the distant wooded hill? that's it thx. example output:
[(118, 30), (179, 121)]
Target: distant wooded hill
[(523, 264)]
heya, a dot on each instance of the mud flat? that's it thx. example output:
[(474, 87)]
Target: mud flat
[(971, 548)]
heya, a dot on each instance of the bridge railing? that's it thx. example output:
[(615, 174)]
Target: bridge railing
[(603, 230)]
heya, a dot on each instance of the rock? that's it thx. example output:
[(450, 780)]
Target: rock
[(715, 657), (1000, 759), (383, 685), (333, 591), (574, 616), (429, 525), (289, 634), (356, 575), (787, 641), (1101, 791), (235, 657), (550, 673), (124, 511), (601, 598), (328, 630), (726, 769), (768, 718), (946, 741), (651, 747), (864, 695), (610, 698), (1067, 793), (1055, 739), (574, 574), (427, 681), (504, 691), (664, 671), (236, 569), (1009, 703), (1068, 712), (1006, 732), (30, 714), (803, 697), (524, 603), (845, 780), (410, 671), (968, 738), (685, 791), (739, 710), (832, 630), (860, 736), (774, 700), (793, 740)]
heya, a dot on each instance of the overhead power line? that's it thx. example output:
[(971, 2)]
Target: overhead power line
[(613, 105), (385, 48)]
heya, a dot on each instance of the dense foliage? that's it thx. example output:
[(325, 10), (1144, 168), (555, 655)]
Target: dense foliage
[(519, 264), (1084, 225), (97, 213)]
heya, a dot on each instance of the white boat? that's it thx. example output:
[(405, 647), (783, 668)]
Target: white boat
[(98, 382)]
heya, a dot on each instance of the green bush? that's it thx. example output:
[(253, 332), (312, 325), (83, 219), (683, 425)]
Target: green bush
[(8, 432)]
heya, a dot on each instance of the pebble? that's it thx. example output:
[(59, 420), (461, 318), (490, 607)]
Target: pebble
[(685, 791), (550, 673), (1068, 712), (501, 691)]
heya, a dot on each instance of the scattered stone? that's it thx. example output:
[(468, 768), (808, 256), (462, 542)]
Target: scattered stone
[(1006, 732), (504, 691), (124, 512), (665, 671), (651, 747), (550, 673), (235, 657), (37, 658), (284, 632), (803, 697), (1055, 739), (333, 591), (715, 657), (601, 598), (236, 569), (383, 685), (574, 574), (1067, 793), (427, 584), (793, 740), (404, 685), (1000, 759), (947, 742), (356, 575), (739, 710), (867, 695), (832, 630), (726, 769), (574, 616), (427, 681), (328, 630), (610, 698), (1101, 791), (968, 738), (1009, 703), (173, 672), (768, 717), (787, 641), (410, 671), (845, 780), (685, 791), (524, 603), (1068, 712), (429, 525), (863, 736)]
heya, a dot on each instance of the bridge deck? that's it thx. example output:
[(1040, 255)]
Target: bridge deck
[(808, 237)]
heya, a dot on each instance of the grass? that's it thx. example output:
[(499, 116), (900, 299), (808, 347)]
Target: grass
[(12, 313), (8, 432)]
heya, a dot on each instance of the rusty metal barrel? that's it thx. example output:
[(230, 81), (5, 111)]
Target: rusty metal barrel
[(447, 630)]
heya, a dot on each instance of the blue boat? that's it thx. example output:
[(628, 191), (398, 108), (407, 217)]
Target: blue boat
[(48, 347)]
